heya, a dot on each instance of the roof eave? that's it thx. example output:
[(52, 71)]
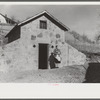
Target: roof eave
[(40, 14)]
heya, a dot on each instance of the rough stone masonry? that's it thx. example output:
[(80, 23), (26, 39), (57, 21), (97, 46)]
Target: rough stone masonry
[(23, 53)]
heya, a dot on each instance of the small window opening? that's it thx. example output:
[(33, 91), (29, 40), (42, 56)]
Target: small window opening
[(52, 46), (56, 46), (34, 46), (43, 24)]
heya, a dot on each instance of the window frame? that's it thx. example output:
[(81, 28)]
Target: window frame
[(43, 24)]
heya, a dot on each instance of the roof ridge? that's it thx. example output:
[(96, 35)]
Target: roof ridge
[(57, 20), (32, 17), (43, 12)]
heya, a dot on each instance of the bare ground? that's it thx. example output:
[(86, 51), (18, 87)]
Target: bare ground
[(71, 74)]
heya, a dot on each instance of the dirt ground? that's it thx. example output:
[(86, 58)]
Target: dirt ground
[(71, 74)]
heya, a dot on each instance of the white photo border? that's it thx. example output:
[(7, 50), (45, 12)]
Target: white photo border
[(49, 90)]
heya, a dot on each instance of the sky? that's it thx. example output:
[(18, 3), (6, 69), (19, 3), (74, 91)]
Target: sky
[(84, 19)]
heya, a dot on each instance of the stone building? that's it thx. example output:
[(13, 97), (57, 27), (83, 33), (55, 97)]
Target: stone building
[(31, 42), (5, 20), (6, 24)]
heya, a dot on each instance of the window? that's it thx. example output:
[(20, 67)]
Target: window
[(43, 24)]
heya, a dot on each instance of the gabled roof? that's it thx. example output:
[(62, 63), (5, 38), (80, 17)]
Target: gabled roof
[(49, 16), (8, 19)]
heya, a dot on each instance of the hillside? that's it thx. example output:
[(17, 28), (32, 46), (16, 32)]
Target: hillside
[(80, 38), (81, 44)]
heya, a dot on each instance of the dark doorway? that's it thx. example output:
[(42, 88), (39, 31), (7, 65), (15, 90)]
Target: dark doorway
[(43, 56)]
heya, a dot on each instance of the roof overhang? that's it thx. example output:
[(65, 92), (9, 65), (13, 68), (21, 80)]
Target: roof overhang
[(49, 16)]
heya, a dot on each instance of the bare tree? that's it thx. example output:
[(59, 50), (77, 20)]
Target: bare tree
[(81, 38), (97, 37), (97, 34), (86, 39)]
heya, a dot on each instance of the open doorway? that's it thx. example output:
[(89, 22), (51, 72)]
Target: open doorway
[(43, 56)]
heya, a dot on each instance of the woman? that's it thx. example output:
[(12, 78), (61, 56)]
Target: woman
[(52, 61)]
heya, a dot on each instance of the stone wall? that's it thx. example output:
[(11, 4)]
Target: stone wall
[(23, 55), (76, 57), (48, 36)]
